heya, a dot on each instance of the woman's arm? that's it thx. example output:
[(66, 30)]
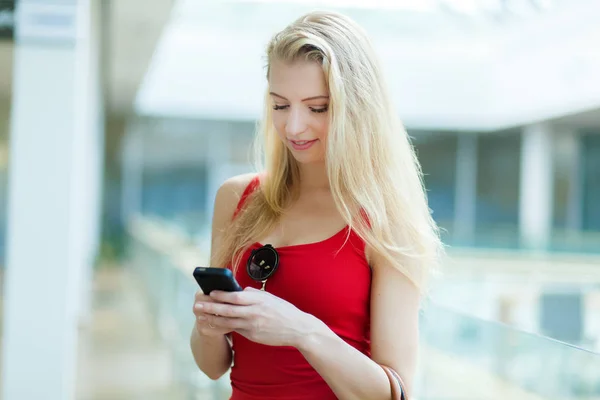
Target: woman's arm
[(211, 352), (348, 372), (267, 319), (394, 342)]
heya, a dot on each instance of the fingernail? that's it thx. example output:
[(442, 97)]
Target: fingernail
[(202, 318), (199, 306)]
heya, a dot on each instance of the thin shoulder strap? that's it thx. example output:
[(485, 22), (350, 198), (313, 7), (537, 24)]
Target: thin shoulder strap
[(254, 183)]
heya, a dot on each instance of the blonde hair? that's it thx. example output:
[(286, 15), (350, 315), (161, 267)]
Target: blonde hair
[(373, 171)]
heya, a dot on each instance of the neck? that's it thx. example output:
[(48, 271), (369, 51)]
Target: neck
[(313, 176)]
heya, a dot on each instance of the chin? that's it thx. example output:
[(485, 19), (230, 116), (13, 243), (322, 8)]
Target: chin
[(309, 161), (306, 158)]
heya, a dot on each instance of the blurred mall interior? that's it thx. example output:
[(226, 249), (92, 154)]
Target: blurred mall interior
[(120, 119)]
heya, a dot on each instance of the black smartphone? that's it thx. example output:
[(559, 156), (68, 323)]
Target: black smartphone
[(210, 279)]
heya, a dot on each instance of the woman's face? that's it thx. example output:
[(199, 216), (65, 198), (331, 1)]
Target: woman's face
[(300, 102)]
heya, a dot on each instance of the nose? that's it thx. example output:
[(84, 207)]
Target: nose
[(296, 122)]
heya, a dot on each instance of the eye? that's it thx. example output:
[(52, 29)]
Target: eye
[(278, 107), (319, 110)]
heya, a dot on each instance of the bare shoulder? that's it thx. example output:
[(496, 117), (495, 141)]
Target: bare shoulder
[(229, 195), (233, 187)]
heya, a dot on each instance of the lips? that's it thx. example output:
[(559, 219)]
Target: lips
[(302, 144)]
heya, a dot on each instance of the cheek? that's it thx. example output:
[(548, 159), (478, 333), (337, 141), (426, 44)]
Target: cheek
[(323, 129), (279, 125)]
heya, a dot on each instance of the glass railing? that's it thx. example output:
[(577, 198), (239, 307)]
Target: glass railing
[(561, 241), (512, 361), (462, 357), (163, 257)]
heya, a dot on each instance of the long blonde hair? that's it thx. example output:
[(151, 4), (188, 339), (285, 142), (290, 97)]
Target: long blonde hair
[(373, 171)]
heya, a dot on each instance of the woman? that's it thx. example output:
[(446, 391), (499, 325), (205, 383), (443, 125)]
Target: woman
[(341, 203)]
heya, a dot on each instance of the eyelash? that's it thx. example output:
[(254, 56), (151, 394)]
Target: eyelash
[(315, 110)]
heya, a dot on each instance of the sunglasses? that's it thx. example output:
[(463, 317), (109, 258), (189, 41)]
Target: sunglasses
[(262, 264)]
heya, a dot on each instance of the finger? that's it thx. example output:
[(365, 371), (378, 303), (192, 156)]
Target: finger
[(198, 309), (244, 298), (200, 296), (223, 309)]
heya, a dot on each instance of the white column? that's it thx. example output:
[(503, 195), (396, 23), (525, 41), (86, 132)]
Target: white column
[(91, 154), (574, 217), (536, 186), (466, 187), (53, 146)]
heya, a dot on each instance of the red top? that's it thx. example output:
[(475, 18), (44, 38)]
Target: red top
[(331, 280)]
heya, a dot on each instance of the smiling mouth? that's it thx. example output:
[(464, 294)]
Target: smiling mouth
[(300, 145), (302, 142)]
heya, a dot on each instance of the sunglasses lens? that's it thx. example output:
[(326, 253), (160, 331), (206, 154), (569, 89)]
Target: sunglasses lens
[(262, 264)]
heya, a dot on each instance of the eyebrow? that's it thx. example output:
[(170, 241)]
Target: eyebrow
[(308, 98)]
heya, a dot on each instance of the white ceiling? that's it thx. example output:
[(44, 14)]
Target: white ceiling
[(208, 61), (133, 30), (469, 68)]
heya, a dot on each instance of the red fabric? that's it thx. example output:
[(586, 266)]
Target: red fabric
[(329, 279)]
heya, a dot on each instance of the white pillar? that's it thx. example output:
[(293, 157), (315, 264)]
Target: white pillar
[(572, 144), (536, 186), (91, 154), (53, 146), (466, 188)]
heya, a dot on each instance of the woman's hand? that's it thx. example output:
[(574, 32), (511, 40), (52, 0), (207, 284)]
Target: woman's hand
[(203, 326), (259, 316)]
